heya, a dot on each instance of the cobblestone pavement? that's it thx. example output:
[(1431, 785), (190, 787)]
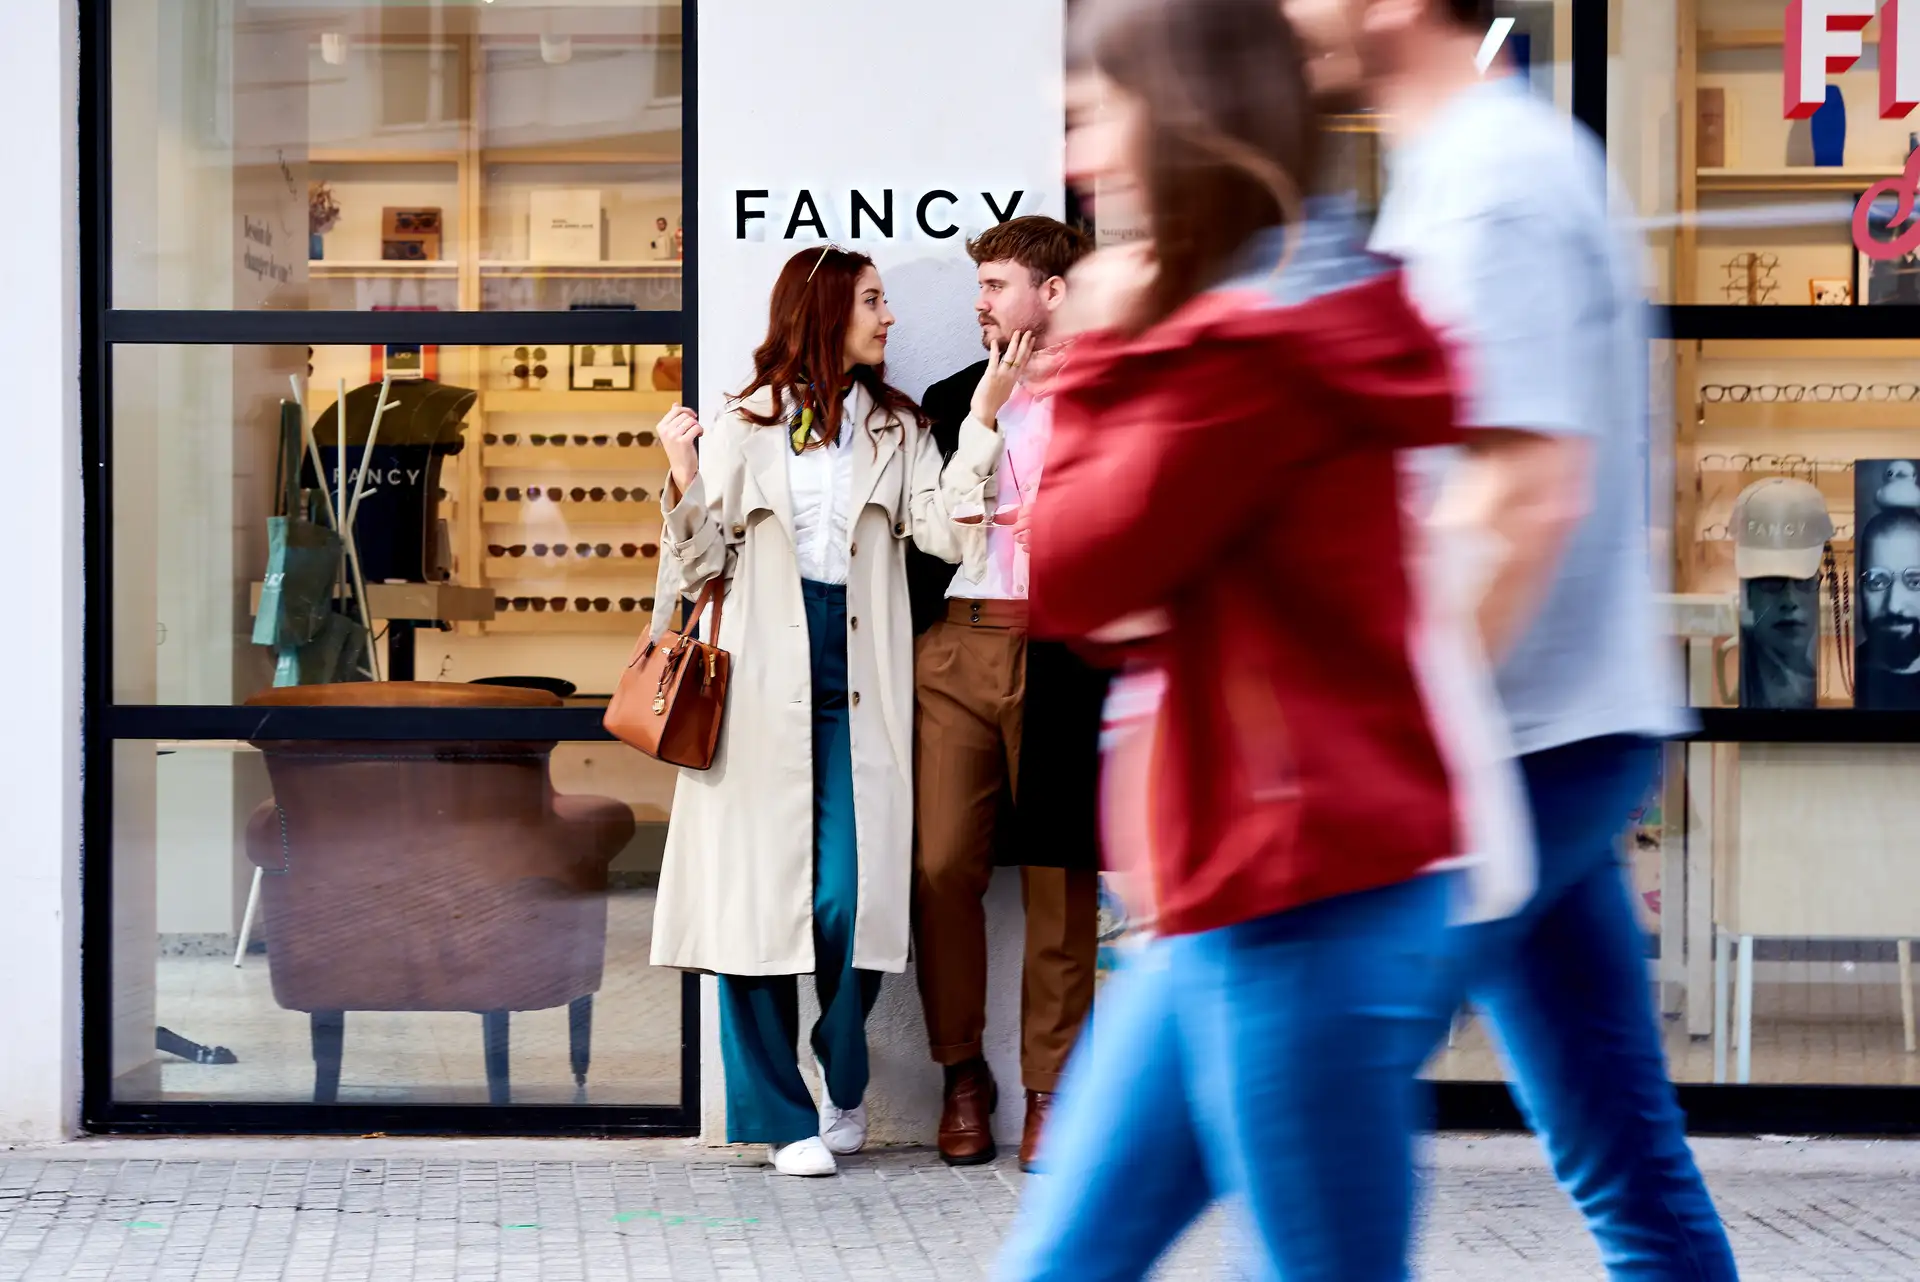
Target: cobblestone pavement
[(390, 1211)]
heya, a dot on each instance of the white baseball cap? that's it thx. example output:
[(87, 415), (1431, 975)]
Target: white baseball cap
[(1780, 530)]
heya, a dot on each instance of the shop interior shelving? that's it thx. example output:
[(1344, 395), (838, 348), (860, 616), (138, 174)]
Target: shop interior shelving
[(477, 152), (1736, 46)]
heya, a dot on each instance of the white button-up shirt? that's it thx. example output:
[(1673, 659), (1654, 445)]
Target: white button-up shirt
[(821, 482)]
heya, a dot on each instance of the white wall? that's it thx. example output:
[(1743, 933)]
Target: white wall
[(39, 756), (877, 95)]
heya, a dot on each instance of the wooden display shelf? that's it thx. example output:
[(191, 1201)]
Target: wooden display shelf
[(634, 517), (1812, 349), (641, 571), (1811, 415), (1725, 38), (646, 463), (437, 602), (1791, 179), (613, 622), (361, 268), (523, 400), (579, 156), (377, 156), (662, 267)]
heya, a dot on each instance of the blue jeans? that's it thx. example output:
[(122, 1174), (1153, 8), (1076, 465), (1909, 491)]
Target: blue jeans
[(767, 1099), (1275, 1062), (1564, 984)]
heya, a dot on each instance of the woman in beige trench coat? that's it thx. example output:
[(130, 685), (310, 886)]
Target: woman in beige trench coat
[(793, 853)]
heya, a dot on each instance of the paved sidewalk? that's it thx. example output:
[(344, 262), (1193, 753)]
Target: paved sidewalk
[(579, 1211)]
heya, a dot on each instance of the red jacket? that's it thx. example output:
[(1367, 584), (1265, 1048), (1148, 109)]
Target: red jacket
[(1236, 466)]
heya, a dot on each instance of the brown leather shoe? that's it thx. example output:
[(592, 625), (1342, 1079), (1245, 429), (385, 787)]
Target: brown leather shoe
[(966, 1119), (1039, 1105)]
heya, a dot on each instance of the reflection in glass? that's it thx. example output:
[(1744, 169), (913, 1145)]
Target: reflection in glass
[(393, 156), (468, 458), (417, 923)]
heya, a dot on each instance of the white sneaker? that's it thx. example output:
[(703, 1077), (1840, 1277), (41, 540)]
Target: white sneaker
[(844, 1130), (803, 1157)]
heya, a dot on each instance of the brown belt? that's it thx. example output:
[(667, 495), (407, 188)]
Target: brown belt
[(987, 614)]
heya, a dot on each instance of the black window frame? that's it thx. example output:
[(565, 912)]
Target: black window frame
[(106, 722)]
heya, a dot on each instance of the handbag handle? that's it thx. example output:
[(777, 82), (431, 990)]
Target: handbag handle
[(711, 596)]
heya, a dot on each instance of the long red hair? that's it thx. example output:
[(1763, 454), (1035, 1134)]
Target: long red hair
[(807, 321)]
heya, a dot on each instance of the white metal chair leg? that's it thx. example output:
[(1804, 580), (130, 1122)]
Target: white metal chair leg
[(1722, 957), (1743, 1011), (246, 921), (1905, 952)]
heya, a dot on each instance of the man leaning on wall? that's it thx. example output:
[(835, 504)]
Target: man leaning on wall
[(1006, 730)]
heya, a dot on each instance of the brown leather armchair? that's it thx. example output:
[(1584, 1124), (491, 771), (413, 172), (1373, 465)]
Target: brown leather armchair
[(430, 876)]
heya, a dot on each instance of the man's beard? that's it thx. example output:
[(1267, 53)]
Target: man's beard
[(1002, 333), (1888, 648)]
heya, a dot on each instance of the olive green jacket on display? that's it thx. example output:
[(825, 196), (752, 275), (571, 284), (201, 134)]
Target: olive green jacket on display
[(736, 887)]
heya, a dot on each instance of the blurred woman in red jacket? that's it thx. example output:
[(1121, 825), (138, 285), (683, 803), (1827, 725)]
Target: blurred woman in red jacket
[(1225, 456)]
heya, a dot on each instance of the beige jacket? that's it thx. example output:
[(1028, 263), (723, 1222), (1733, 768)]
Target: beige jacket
[(736, 888)]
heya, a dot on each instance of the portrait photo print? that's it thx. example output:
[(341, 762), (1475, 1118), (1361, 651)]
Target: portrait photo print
[(1886, 587)]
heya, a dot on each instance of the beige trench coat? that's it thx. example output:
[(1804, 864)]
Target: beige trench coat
[(736, 887)]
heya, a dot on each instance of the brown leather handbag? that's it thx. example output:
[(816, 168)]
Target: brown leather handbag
[(673, 691)]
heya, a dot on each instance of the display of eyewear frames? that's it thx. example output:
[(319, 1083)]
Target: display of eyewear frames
[(1792, 463), (1750, 279), (621, 494), (1714, 393), (593, 549), (502, 549), (628, 604), (580, 494), (544, 549), (536, 603), (600, 603), (561, 438), (648, 550)]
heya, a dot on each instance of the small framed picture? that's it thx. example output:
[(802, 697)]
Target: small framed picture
[(1830, 292), (603, 367)]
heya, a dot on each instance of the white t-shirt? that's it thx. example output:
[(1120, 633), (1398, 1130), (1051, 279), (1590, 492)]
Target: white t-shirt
[(1500, 211)]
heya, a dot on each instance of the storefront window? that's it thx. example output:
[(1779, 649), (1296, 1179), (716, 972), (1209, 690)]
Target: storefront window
[(388, 924), (397, 157), (508, 520), (1744, 205), (358, 597)]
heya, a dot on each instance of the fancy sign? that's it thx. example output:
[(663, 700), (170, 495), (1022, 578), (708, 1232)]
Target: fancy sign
[(1823, 38)]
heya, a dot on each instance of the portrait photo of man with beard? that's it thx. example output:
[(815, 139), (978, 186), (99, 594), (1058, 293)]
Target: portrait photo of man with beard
[(1887, 585)]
